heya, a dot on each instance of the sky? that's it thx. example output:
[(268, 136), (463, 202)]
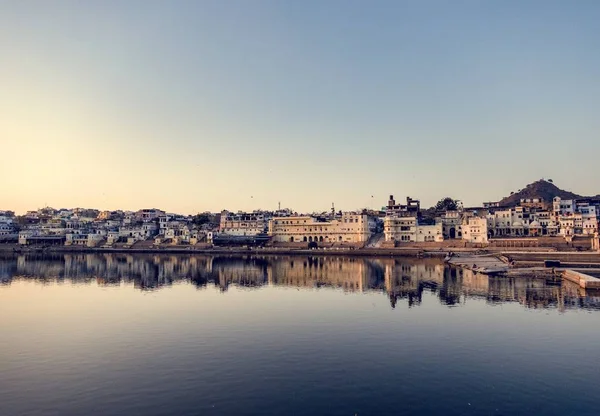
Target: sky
[(198, 105)]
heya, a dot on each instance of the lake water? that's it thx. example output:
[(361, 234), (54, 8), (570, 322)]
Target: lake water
[(284, 335)]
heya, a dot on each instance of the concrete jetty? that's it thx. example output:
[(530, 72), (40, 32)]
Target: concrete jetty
[(584, 280), (485, 264)]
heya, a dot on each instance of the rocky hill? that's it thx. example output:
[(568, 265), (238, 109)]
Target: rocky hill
[(540, 189)]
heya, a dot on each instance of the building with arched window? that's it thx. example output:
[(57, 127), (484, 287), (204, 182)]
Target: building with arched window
[(349, 227), (409, 230)]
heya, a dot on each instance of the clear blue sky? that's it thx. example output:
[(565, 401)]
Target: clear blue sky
[(206, 105)]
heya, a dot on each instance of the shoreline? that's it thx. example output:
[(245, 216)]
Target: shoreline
[(526, 255), (368, 252)]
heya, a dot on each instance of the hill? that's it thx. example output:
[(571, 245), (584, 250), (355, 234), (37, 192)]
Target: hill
[(539, 189)]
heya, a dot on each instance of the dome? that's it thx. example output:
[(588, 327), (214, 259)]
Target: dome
[(517, 224), (534, 224)]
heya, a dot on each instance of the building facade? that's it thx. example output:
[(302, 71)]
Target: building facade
[(475, 230), (409, 230), (349, 227), (243, 224), (411, 209)]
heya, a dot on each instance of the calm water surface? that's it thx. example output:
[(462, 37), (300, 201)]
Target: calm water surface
[(193, 335)]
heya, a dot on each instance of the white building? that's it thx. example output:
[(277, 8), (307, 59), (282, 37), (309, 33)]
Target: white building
[(408, 230), (243, 224), (149, 214), (112, 237), (576, 217), (149, 229), (563, 206), (6, 229), (350, 227), (6, 225), (87, 237), (24, 235), (509, 222), (590, 226), (178, 233), (451, 224), (475, 230), (132, 234), (163, 222)]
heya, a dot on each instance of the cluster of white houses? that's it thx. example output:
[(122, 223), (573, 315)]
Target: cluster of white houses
[(532, 218), (403, 223), (394, 224), (92, 228)]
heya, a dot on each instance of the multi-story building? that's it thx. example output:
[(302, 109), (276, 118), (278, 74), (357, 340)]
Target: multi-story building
[(411, 209), (6, 225), (403, 229), (520, 222), (451, 224), (163, 223), (148, 214), (6, 229), (243, 224), (589, 226), (349, 227), (402, 223), (507, 222), (546, 222), (409, 230), (88, 239), (576, 217), (563, 206), (533, 203), (475, 229)]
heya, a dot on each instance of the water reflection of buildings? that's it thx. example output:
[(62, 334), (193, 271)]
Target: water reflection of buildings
[(346, 273), (400, 278)]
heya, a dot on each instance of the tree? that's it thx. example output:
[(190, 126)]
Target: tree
[(21, 220), (201, 219), (446, 204)]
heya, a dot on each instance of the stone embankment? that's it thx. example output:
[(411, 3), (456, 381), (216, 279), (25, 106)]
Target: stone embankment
[(519, 258), (584, 280)]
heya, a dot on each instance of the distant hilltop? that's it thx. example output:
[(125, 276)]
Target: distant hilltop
[(544, 189)]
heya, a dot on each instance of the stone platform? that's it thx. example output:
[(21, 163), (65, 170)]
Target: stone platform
[(585, 281)]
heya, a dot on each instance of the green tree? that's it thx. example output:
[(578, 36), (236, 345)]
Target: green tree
[(201, 219), (21, 220), (446, 204)]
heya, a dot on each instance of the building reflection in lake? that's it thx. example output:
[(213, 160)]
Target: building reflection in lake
[(401, 279)]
